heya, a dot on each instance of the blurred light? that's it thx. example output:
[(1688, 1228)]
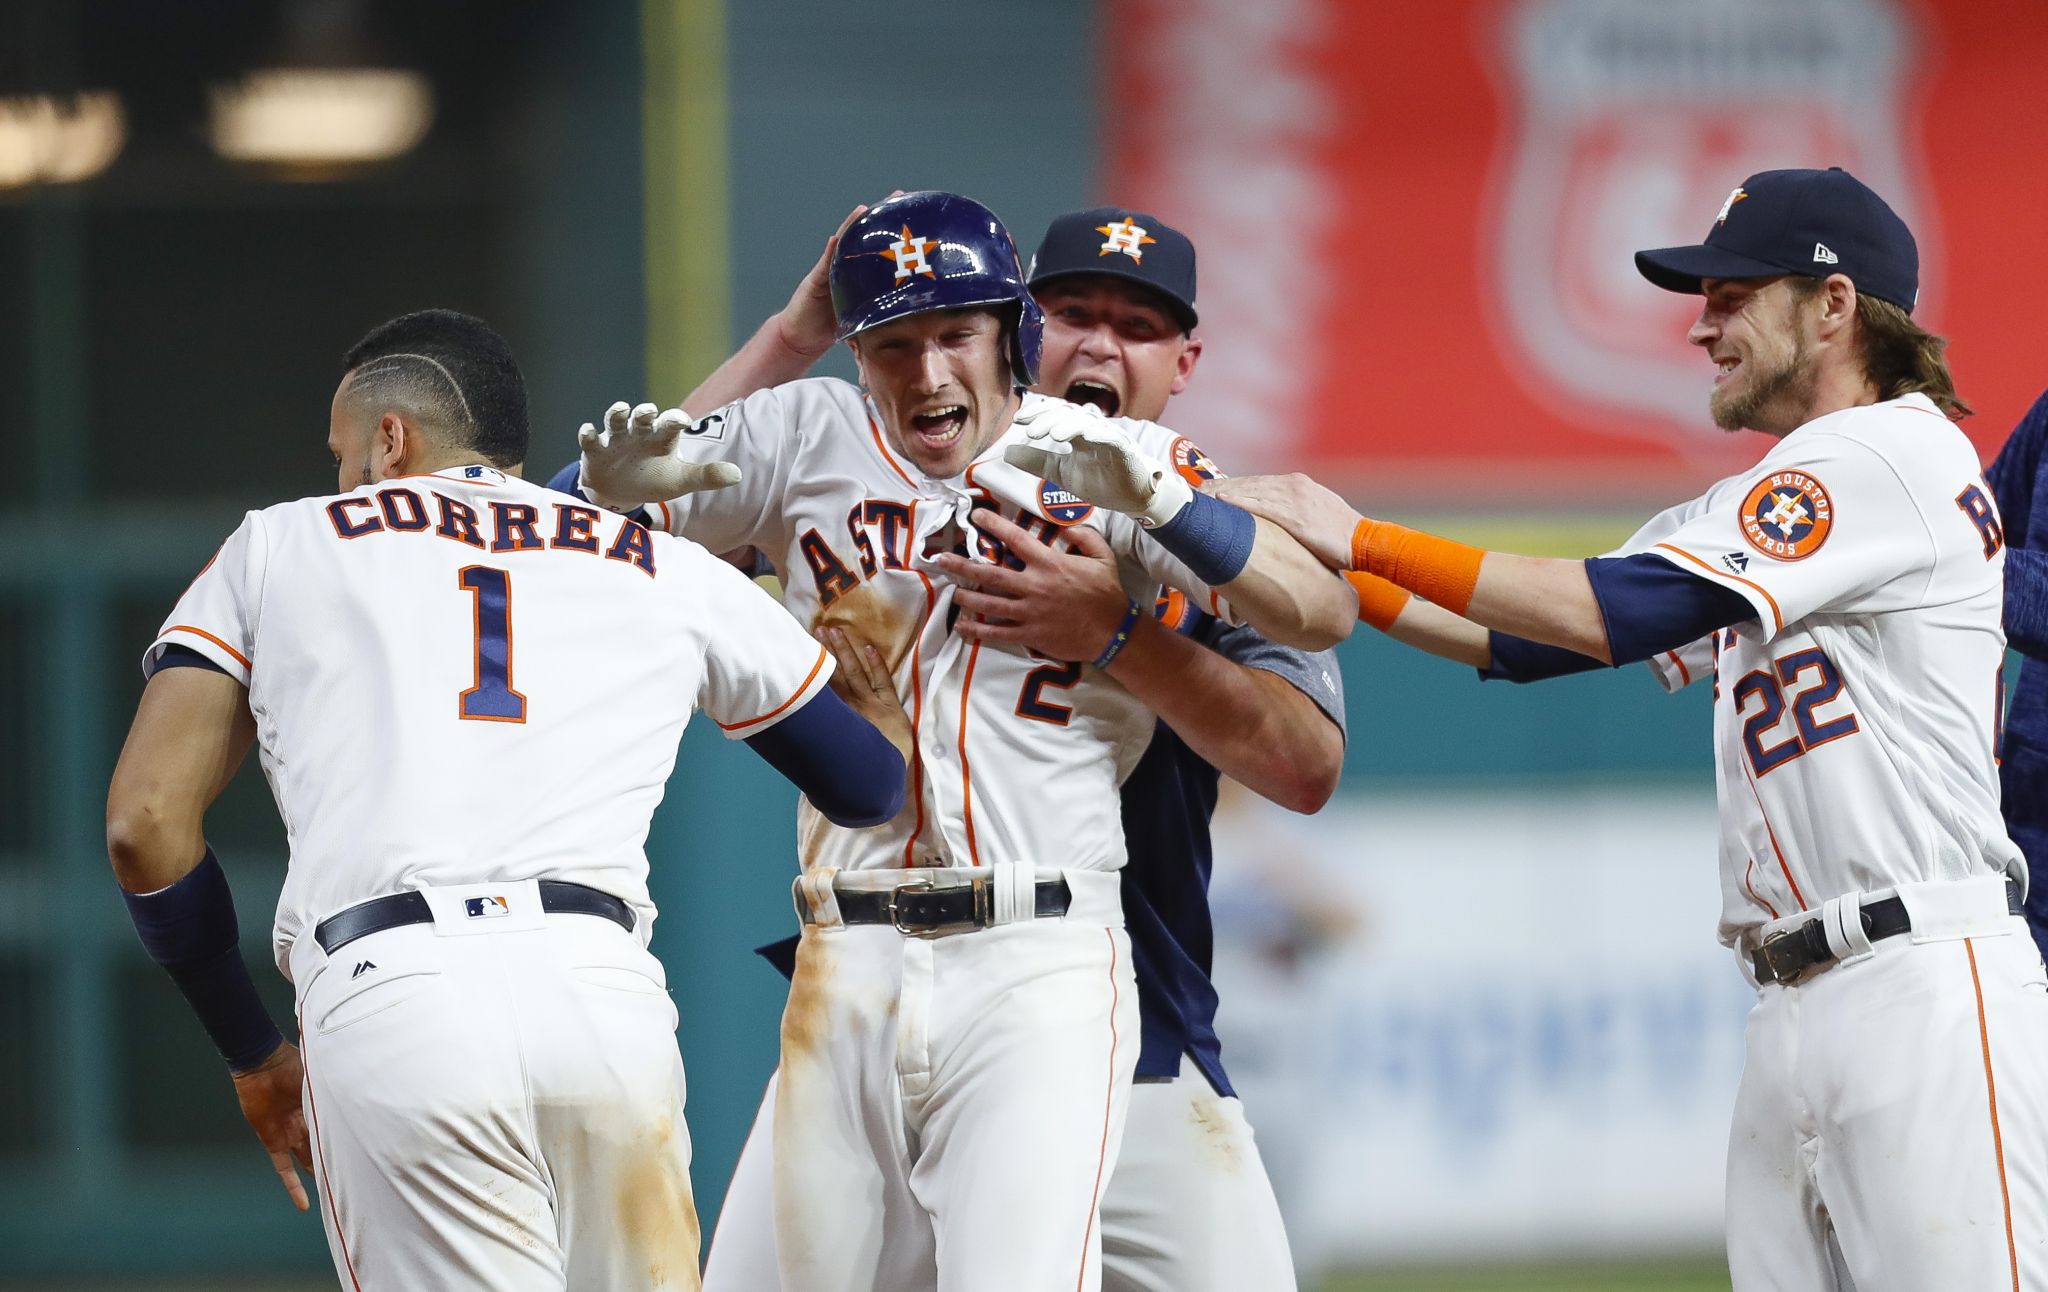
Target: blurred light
[(45, 141), (315, 118)]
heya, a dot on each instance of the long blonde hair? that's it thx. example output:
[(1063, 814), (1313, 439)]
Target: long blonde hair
[(1902, 358)]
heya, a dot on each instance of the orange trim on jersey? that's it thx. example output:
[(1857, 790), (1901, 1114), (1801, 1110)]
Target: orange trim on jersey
[(1108, 1103), (875, 429), (794, 697), (1783, 869), (201, 632), (931, 603), (668, 518), (1684, 673), (967, 781), (1991, 1092), (1755, 896), (1776, 613), (436, 475), (324, 1187)]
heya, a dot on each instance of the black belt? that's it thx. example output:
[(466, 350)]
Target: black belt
[(1789, 953), (920, 908), (557, 897)]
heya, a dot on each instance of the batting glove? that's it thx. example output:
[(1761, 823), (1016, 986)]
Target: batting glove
[(1096, 460), (633, 461)]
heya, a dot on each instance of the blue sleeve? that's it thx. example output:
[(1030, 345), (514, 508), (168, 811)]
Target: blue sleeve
[(2026, 601), (176, 656), (2015, 472), (1652, 606), (568, 480), (847, 769), (1517, 659)]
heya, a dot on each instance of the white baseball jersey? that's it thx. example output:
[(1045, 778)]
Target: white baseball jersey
[(1854, 720), (463, 677), (1018, 757)]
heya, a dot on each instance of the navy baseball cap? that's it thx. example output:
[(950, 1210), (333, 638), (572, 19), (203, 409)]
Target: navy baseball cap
[(1810, 222), (1122, 244)]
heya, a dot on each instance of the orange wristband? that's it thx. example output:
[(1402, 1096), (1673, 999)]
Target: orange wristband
[(1379, 602), (1433, 568)]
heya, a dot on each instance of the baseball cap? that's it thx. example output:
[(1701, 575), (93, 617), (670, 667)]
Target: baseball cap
[(1811, 222), (1121, 243)]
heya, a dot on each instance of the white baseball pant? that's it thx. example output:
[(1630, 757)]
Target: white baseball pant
[(949, 1109), (1188, 1209), (1897, 1104), (501, 1112)]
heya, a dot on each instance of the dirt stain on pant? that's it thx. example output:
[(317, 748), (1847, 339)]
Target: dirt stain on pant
[(657, 1214)]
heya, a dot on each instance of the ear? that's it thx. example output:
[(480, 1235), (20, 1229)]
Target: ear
[(1184, 367), (392, 447), (1837, 306)]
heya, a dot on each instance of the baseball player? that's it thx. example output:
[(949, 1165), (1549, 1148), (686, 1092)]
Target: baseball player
[(1189, 1205), (949, 1105), (1842, 598), (2019, 479), (467, 693)]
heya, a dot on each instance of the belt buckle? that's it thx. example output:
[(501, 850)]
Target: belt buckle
[(1772, 948), (979, 919)]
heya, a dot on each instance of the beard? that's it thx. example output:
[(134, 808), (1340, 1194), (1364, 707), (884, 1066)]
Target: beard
[(1769, 396)]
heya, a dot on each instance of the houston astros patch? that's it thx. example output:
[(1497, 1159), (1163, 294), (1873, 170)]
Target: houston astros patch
[(1193, 464), (1061, 507), (1787, 515)]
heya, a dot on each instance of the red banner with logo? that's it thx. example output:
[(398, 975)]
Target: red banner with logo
[(1416, 222)]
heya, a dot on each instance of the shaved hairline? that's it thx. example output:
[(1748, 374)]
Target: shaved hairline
[(383, 362)]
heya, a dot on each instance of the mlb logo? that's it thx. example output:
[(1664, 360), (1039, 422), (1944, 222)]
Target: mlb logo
[(485, 908), (472, 473)]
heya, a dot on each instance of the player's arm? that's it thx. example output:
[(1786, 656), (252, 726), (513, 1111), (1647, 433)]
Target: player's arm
[(1252, 725), (190, 733), (1273, 582), (784, 347), (849, 770)]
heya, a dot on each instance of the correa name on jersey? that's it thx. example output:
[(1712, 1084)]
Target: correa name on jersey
[(510, 527)]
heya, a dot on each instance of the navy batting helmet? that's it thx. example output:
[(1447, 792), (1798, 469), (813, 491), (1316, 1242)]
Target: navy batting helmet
[(933, 251)]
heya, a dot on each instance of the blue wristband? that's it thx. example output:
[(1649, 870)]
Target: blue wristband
[(190, 929), (1120, 638), (1212, 538)]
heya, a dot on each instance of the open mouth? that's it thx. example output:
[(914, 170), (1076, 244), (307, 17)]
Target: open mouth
[(1095, 395), (940, 425), (1725, 367)]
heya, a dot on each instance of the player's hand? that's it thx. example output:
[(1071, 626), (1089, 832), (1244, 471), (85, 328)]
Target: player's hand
[(1065, 605), (807, 324), (1319, 520), (863, 681), (270, 1094), (1096, 460), (633, 461)]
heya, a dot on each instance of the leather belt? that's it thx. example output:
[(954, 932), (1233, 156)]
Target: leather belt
[(1790, 953), (557, 897), (923, 909)]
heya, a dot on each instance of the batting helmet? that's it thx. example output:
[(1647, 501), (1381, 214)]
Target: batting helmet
[(933, 251)]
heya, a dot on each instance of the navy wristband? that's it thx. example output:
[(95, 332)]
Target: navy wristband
[(1212, 538), (1121, 637), (190, 929)]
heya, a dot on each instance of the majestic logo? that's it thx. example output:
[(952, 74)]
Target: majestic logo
[(1125, 236), (1626, 123), (361, 969), (1787, 515), (1193, 464), (909, 252), (1061, 507), (1735, 561), (486, 908), (1822, 256)]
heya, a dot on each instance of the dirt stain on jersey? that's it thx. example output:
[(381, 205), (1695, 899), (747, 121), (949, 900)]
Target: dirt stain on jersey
[(866, 616), (657, 1215)]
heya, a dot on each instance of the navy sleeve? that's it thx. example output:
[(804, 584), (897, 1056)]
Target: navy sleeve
[(2015, 472), (2026, 601), (175, 656), (1517, 659), (1651, 606), (847, 769), (569, 481)]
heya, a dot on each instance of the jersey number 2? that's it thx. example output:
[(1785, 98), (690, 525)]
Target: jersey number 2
[(492, 699)]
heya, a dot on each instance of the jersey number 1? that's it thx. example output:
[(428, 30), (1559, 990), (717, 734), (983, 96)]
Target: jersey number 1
[(492, 699)]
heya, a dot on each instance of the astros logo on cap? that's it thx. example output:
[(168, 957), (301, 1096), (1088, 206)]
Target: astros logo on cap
[(1193, 464), (1787, 515), (1061, 507), (1729, 205), (1125, 236), (909, 252)]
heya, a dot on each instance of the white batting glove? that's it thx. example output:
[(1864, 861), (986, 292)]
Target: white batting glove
[(1094, 459), (633, 461)]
